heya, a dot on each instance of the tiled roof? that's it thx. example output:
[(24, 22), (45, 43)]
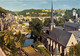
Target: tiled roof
[(59, 27), (75, 25), (59, 36)]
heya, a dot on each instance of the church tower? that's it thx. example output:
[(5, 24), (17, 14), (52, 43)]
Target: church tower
[(75, 16), (52, 24)]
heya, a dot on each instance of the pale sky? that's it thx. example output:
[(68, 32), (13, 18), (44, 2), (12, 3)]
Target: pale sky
[(18, 5)]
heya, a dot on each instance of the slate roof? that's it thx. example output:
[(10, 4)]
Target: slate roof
[(59, 36), (75, 25), (59, 27), (76, 34)]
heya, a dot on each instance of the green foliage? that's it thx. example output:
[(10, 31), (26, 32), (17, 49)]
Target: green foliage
[(12, 43), (11, 12), (74, 50), (47, 21), (2, 10), (61, 22), (2, 39), (35, 26), (6, 11), (41, 49), (22, 40), (33, 12), (60, 11), (58, 23), (68, 14), (19, 35), (20, 22)]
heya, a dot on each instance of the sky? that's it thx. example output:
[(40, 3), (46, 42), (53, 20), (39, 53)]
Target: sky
[(18, 5)]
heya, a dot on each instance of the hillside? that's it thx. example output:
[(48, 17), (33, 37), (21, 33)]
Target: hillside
[(6, 11), (31, 12), (2, 10), (11, 12)]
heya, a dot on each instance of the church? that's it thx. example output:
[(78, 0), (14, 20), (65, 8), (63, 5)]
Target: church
[(56, 40)]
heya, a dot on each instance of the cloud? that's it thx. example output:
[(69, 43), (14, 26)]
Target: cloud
[(55, 0), (44, 2), (63, 0), (24, 5), (66, 6)]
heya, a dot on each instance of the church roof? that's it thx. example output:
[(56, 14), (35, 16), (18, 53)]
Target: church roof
[(76, 34), (59, 27), (59, 36), (75, 25)]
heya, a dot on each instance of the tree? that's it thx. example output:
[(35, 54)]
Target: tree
[(35, 26), (2, 10), (47, 21), (75, 50), (12, 43)]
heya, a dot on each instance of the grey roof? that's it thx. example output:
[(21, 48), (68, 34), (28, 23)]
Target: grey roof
[(59, 36), (59, 27), (76, 34), (75, 25)]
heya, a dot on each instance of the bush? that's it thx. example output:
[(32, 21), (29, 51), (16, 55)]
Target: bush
[(41, 49)]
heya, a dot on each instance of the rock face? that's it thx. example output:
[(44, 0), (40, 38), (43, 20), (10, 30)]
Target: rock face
[(6, 22)]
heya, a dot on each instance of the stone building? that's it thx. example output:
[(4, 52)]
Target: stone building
[(57, 41), (74, 25)]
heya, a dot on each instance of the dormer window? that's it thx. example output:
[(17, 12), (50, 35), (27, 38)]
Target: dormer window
[(72, 43), (77, 41)]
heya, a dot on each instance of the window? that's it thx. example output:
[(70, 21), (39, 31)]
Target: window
[(72, 43)]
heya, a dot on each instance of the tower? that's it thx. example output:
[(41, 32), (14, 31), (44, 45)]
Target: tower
[(52, 24), (75, 16)]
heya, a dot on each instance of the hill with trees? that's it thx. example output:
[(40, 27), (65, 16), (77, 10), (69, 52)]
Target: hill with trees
[(2, 10), (6, 11), (11, 12), (39, 12)]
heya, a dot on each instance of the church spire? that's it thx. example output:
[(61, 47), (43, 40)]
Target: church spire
[(52, 24), (52, 12)]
